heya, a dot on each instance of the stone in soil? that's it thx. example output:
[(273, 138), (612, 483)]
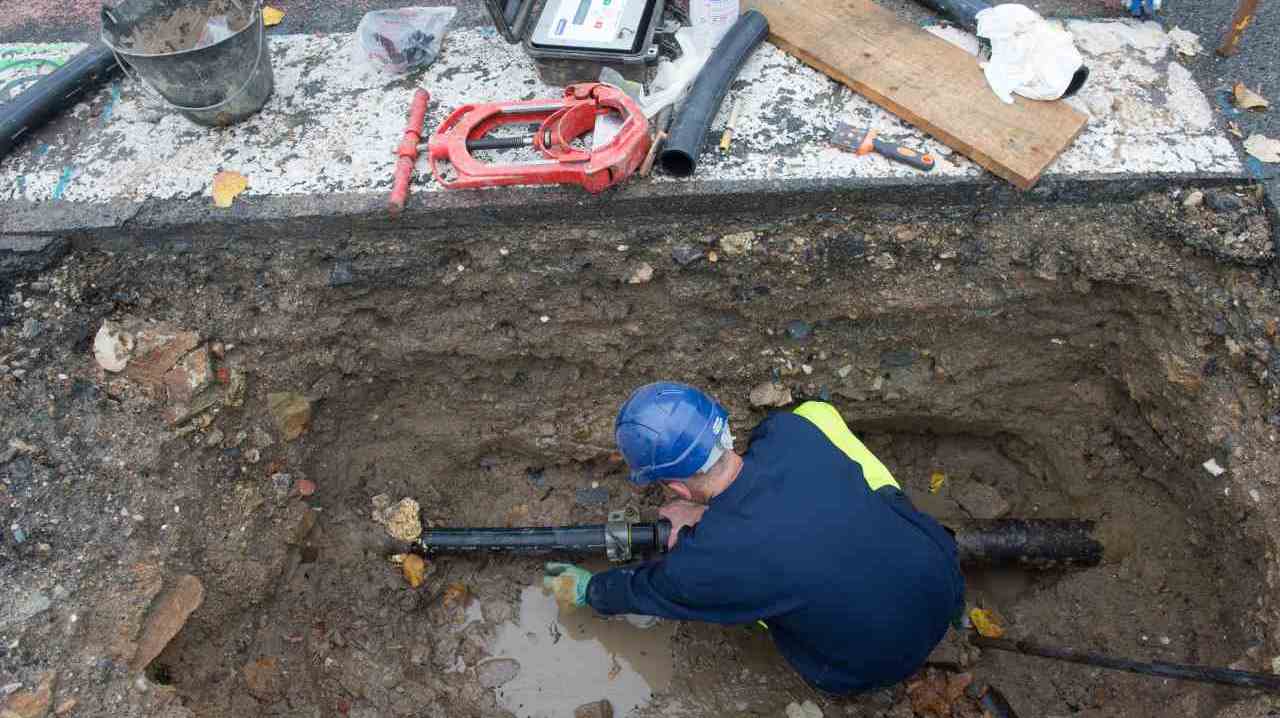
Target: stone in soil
[(1194, 198), (770, 394), (157, 348), (685, 254), (808, 709), (497, 671), (401, 519), (31, 328), (1223, 201), (112, 347), (264, 679), (598, 496), (192, 374), (33, 703), (291, 412), (641, 273), (738, 244), (799, 329), (980, 500), (169, 613), (595, 709)]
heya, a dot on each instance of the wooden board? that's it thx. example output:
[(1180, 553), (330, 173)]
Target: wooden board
[(925, 80)]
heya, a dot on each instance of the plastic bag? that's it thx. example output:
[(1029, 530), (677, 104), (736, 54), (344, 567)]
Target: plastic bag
[(396, 40), (1029, 55), (217, 29)]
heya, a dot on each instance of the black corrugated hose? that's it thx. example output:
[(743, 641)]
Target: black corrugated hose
[(689, 129)]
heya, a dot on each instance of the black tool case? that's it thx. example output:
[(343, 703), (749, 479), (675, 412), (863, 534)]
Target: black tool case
[(573, 40)]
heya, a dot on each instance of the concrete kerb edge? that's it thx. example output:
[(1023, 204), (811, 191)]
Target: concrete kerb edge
[(312, 218)]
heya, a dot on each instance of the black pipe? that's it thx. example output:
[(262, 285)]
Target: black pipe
[(645, 538), (1179, 671), (689, 129), (1031, 543), (962, 12), (52, 94)]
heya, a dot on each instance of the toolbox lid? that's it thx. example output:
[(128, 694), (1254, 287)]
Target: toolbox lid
[(619, 27)]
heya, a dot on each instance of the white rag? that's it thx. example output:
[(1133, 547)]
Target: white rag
[(1030, 56)]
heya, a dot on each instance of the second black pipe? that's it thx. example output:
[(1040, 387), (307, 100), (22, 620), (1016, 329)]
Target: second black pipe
[(693, 120)]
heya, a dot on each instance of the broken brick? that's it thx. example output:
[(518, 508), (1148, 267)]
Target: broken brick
[(157, 348), (192, 374)]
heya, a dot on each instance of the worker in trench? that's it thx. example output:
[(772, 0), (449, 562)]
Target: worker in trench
[(806, 532)]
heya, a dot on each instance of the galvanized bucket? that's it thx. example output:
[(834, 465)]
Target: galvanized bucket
[(215, 85)]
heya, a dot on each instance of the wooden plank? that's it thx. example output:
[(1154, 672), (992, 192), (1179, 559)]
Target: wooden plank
[(925, 80)]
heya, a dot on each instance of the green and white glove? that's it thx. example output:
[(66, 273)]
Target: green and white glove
[(567, 582)]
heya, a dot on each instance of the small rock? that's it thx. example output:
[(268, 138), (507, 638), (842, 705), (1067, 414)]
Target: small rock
[(214, 438), (237, 388), (1194, 198), (770, 394), (1214, 468), (885, 261), (1223, 201), (264, 679), (980, 500), (596, 709), (292, 413), (401, 520), (168, 614), (19, 536), (341, 275), (253, 456), (281, 483), (33, 703), (799, 329), (497, 671), (190, 376), (598, 496), (685, 254), (112, 347), (31, 328), (641, 274), (65, 707), (737, 244), (808, 709), (807, 369), (157, 348), (844, 371)]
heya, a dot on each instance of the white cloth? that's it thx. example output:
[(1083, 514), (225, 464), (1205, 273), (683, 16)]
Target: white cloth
[(1030, 56)]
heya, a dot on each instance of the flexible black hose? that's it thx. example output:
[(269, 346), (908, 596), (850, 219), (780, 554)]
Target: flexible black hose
[(52, 94), (689, 129)]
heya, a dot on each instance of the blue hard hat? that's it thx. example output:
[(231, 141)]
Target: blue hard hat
[(668, 431)]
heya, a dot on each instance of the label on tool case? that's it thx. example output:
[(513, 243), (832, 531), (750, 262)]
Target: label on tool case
[(587, 20)]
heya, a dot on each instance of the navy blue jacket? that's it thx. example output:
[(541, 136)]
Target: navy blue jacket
[(856, 586)]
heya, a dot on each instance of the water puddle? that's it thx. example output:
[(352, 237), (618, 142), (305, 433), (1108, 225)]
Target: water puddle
[(575, 657)]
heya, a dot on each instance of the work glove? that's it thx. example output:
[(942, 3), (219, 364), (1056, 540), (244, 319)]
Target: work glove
[(567, 582)]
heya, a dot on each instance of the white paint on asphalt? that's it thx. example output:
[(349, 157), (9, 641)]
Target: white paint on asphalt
[(331, 128)]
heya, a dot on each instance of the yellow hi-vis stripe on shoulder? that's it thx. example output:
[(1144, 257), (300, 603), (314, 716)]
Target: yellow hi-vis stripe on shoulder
[(828, 420)]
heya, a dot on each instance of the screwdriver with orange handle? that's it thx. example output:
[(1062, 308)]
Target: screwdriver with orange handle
[(848, 137)]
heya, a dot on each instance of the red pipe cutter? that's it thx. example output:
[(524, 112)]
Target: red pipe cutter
[(560, 123)]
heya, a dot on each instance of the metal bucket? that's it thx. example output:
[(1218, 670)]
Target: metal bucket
[(215, 85)]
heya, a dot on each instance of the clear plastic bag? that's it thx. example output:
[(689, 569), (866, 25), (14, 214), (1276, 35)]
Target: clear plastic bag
[(397, 40)]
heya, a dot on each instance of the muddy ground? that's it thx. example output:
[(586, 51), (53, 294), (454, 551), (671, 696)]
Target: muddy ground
[(1056, 361)]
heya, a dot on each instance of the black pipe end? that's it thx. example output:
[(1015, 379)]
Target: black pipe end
[(677, 163)]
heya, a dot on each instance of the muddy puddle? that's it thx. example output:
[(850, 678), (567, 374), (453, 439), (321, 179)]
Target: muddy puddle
[(572, 656)]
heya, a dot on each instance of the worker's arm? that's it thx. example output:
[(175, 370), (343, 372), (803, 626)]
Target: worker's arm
[(690, 583)]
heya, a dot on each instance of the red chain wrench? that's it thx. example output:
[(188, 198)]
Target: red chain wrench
[(561, 122)]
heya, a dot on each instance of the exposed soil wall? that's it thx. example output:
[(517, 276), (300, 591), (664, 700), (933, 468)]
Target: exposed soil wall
[(1077, 361)]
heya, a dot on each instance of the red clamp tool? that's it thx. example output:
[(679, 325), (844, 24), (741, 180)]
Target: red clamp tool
[(560, 123), (408, 151)]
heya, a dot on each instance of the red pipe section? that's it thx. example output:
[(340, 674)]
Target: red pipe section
[(408, 151)]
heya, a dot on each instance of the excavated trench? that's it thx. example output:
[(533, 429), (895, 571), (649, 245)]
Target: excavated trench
[(1073, 361)]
